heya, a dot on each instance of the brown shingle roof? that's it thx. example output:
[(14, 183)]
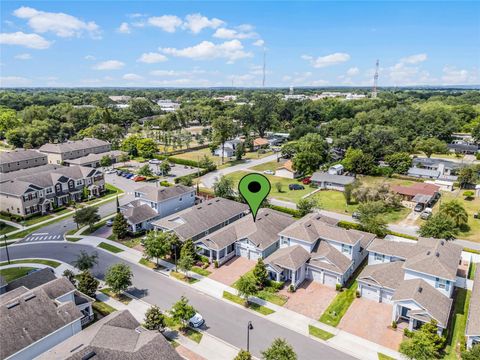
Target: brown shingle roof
[(398, 249), (291, 257), (139, 213), (388, 275), (473, 321), (417, 188), (325, 256)]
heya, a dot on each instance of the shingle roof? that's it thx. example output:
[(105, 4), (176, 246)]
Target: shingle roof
[(263, 232), (426, 296), (26, 319), (431, 162), (117, 336), (415, 171), (157, 194), (398, 249), (287, 165), (32, 280), (260, 142), (86, 143), (291, 257), (439, 258), (95, 157), (388, 275), (325, 256), (473, 320), (139, 213), (197, 219), (319, 176), (19, 155), (417, 188)]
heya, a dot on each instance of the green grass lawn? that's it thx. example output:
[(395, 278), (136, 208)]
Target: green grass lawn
[(94, 227), (192, 334), (130, 242), (74, 238), (458, 323), (124, 299), (11, 274), (103, 308), (200, 271), (286, 194), (269, 294), (271, 165), (198, 155), (472, 270), (108, 247), (50, 263), (384, 357), (183, 277), (149, 264), (319, 333), (36, 219), (5, 229), (238, 300)]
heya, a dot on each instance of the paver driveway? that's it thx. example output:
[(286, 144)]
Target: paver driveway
[(229, 272), (311, 299), (370, 320)]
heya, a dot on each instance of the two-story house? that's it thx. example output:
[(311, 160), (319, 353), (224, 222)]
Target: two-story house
[(418, 279), (39, 190), (202, 219), (21, 159), (58, 153), (152, 203)]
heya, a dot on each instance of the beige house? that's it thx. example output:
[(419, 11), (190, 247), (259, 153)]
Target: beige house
[(286, 170), (58, 153), (21, 159)]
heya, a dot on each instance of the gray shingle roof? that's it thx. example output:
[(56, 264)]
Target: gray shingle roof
[(32, 280), (291, 257), (139, 213), (197, 219), (415, 171), (426, 296), (325, 256), (157, 194), (95, 157), (473, 321), (398, 249), (86, 143), (439, 258), (387, 275), (31, 319), (335, 179), (117, 336), (19, 155)]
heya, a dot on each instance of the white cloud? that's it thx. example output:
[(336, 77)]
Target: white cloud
[(12, 81), (181, 82), (196, 23), (328, 60), (319, 82), (224, 33), (168, 23), (132, 77), (25, 56), (32, 41), (170, 73), (453, 76), (152, 58), (109, 65), (231, 50), (353, 71), (124, 28), (60, 24), (414, 59), (89, 57), (298, 78), (259, 42)]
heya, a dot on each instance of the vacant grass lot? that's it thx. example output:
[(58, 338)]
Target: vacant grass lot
[(11, 274)]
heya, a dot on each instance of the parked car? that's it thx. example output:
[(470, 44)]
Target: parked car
[(129, 176), (109, 222), (110, 171), (196, 321), (418, 207), (296, 187), (269, 172), (356, 215), (426, 214), (307, 180), (119, 173), (139, 178), (125, 174), (154, 161)]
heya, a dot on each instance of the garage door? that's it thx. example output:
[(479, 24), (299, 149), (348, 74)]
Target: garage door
[(242, 251), (314, 275), (386, 297), (369, 293), (330, 280), (254, 255)]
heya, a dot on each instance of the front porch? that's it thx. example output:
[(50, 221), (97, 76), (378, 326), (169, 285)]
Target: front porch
[(412, 318), (284, 275), (220, 256)]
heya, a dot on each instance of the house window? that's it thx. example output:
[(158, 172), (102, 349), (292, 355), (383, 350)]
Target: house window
[(49, 190), (285, 241), (442, 284), (346, 249), (379, 257), (180, 199)]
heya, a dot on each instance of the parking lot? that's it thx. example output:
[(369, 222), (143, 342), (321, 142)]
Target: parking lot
[(176, 170)]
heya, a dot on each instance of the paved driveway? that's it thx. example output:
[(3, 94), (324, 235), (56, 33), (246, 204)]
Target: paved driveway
[(311, 299), (370, 320), (231, 271)]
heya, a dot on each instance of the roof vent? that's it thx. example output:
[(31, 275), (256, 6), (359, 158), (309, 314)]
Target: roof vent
[(266, 214), (218, 200), (199, 207), (437, 254), (442, 242), (89, 355), (428, 252), (29, 297), (420, 289), (12, 305)]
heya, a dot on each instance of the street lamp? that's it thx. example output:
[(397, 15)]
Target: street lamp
[(6, 248), (249, 327), (174, 247)]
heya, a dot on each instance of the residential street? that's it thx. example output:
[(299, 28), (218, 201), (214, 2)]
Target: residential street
[(225, 321)]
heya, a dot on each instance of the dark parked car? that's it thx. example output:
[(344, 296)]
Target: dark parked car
[(119, 173), (419, 207), (296, 187)]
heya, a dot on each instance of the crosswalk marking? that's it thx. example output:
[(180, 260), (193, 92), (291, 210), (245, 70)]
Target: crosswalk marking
[(42, 237)]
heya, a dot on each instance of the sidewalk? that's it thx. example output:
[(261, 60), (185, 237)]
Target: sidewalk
[(343, 341), (58, 270)]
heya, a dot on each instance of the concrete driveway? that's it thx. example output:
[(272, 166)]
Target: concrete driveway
[(231, 271), (371, 320), (311, 299)]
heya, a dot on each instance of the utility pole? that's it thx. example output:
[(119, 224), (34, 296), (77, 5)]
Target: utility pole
[(375, 81), (6, 248)]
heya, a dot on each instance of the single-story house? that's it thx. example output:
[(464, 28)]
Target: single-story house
[(409, 192), (336, 169), (331, 182), (260, 143), (139, 216), (229, 148), (468, 149), (286, 170), (473, 321), (444, 167), (245, 237), (423, 173)]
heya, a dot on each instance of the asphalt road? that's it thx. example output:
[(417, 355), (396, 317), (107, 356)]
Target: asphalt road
[(223, 320)]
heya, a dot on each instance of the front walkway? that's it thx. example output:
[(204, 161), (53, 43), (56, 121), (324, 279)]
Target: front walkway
[(231, 271)]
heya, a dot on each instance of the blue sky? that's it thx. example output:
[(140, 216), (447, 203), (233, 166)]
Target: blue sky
[(190, 44)]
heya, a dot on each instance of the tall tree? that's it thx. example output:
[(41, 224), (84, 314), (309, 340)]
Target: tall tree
[(118, 277), (154, 319), (279, 350), (311, 152), (455, 211), (439, 226), (223, 187), (425, 344), (260, 274), (87, 284), (307, 205), (264, 111), (85, 261), (430, 146), (182, 311), (157, 244), (223, 129), (120, 226), (86, 216), (246, 286)]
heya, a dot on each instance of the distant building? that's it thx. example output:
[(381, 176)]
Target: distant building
[(120, 98), (168, 105), (93, 160), (21, 159), (336, 169), (58, 153), (260, 143), (466, 149)]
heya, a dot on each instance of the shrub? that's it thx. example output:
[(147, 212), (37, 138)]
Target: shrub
[(289, 211), (407, 333), (338, 287), (291, 288), (215, 264), (394, 324), (357, 294), (165, 183)]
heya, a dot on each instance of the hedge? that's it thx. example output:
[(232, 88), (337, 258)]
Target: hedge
[(349, 225), (183, 161), (293, 212), (191, 176)]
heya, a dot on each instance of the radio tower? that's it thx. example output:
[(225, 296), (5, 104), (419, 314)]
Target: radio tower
[(264, 65), (375, 81)]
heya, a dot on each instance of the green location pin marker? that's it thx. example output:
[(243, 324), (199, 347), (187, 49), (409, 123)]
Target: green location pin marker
[(254, 189)]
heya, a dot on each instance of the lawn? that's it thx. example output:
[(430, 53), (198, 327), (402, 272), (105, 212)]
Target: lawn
[(103, 308), (238, 300), (5, 229), (268, 293), (200, 271), (50, 263), (124, 299), (286, 194), (319, 333), (458, 323), (471, 270), (11, 274), (130, 242), (74, 238), (192, 334), (271, 165), (384, 357), (94, 227), (182, 277), (108, 247), (149, 264), (199, 154), (36, 219)]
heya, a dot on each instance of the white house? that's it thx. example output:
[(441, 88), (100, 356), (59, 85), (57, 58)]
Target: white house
[(152, 202), (473, 321), (336, 169), (286, 170), (229, 148), (417, 278)]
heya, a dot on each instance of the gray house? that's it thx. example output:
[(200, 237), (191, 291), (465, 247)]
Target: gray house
[(328, 181), (21, 159)]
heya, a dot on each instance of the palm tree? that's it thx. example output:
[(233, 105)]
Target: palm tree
[(455, 210)]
